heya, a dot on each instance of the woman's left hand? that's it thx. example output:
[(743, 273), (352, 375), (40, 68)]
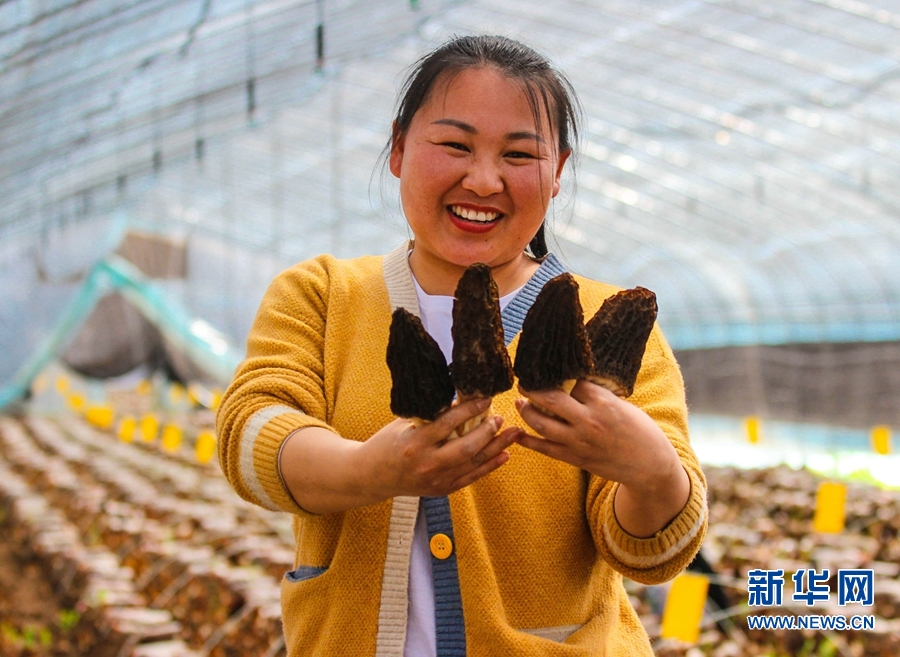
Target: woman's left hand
[(611, 438)]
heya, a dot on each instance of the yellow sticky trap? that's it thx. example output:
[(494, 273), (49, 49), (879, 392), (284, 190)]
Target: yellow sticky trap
[(127, 428), (195, 394), (144, 387), (201, 396), (881, 439), (149, 428), (100, 416), (171, 438), (830, 512), (62, 384), (176, 393), (684, 608), (76, 402), (751, 426), (205, 448)]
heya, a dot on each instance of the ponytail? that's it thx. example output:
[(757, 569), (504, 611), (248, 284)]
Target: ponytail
[(538, 243)]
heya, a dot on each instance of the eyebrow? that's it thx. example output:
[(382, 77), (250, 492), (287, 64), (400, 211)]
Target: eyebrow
[(471, 130)]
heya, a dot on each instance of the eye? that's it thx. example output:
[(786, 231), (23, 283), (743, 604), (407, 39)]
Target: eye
[(518, 155), (454, 145)]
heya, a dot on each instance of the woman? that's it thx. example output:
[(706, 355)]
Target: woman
[(505, 541)]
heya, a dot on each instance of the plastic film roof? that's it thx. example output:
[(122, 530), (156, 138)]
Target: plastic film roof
[(740, 158)]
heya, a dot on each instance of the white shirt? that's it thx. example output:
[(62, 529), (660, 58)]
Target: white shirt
[(436, 313)]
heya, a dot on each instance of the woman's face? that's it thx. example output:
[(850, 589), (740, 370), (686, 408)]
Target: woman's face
[(476, 173)]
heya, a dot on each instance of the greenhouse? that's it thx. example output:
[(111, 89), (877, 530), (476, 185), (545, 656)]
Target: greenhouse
[(162, 161)]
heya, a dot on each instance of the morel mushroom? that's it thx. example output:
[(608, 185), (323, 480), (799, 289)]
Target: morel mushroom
[(421, 386), (481, 366), (553, 351), (618, 334)]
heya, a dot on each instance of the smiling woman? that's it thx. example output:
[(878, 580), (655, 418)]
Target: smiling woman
[(497, 542), (477, 173)]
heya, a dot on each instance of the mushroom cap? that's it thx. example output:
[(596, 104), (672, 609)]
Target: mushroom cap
[(553, 345), (618, 334), (481, 366), (421, 385)]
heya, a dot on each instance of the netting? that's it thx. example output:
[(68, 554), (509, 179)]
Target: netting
[(739, 160)]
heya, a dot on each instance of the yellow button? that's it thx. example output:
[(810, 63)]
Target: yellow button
[(441, 546)]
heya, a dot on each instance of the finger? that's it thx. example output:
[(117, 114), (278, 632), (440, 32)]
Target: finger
[(544, 446), (556, 401), (462, 450), (447, 421), (542, 424), (588, 392), (498, 444), (486, 468)]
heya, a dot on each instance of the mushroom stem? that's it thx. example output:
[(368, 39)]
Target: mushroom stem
[(473, 422), (605, 382)]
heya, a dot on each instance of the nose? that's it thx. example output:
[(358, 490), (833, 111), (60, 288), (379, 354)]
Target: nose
[(483, 177)]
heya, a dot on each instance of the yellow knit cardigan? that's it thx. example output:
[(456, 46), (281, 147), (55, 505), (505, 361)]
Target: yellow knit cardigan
[(539, 553)]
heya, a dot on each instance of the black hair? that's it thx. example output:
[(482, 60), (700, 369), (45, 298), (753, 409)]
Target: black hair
[(546, 89)]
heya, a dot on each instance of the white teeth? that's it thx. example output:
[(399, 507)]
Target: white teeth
[(472, 215)]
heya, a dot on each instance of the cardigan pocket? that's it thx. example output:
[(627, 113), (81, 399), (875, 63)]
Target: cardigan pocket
[(557, 634), (303, 573)]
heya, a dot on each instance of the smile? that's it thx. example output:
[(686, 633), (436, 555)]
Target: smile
[(474, 216)]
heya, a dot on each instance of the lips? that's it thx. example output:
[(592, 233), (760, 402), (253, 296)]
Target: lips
[(472, 220)]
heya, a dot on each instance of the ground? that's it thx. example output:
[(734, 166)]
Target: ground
[(33, 620)]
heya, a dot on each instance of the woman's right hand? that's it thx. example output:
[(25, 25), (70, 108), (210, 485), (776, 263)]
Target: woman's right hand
[(422, 461), (327, 474)]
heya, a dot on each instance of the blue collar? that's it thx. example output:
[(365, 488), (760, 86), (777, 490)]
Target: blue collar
[(514, 313)]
